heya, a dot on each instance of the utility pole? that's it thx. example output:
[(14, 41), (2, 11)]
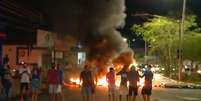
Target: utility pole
[(180, 64), (145, 52)]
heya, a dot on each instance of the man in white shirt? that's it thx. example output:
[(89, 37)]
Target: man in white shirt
[(25, 74)]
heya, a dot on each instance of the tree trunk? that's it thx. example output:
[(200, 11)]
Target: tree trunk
[(167, 65), (170, 60)]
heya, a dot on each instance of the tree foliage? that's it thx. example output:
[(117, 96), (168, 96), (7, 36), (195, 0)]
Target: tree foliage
[(192, 47), (163, 35)]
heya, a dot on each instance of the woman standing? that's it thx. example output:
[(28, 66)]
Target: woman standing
[(35, 83)]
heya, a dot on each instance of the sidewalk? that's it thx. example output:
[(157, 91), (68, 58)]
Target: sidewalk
[(170, 83)]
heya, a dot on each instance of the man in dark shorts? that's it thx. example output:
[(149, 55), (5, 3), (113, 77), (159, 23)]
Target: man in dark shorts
[(25, 74), (87, 88), (147, 89), (133, 78)]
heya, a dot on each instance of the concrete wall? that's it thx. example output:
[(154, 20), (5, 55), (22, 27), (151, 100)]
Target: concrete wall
[(17, 54), (62, 44), (10, 50)]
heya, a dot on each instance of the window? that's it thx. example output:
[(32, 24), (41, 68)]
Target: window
[(81, 57)]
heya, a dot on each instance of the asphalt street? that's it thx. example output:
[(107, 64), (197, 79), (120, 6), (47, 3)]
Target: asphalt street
[(72, 93), (168, 94), (159, 94)]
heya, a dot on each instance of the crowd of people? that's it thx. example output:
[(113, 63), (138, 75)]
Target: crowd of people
[(129, 91), (30, 82)]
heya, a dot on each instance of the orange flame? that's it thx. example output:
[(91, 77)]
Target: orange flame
[(102, 82), (75, 81)]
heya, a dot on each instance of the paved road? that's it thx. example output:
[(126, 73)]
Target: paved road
[(164, 94), (73, 94), (159, 94)]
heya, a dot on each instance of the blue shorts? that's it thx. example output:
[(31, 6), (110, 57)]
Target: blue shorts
[(35, 84), (86, 91)]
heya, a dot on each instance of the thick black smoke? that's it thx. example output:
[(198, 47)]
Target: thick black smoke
[(92, 22)]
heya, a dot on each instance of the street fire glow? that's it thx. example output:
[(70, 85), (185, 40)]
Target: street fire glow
[(102, 82), (141, 82), (75, 81)]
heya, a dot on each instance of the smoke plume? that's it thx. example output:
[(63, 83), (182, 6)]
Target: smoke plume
[(93, 23)]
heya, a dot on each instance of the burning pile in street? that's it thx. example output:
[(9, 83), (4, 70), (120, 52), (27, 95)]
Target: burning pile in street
[(101, 81)]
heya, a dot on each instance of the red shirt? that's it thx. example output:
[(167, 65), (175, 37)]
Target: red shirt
[(53, 76), (110, 78)]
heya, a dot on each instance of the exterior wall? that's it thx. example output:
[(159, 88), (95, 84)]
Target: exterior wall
[(60, 44), (44, 38), (17, 54), (10, 50), (33, 57), (38, 54)]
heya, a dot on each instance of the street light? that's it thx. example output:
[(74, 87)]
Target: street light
[(181, 39), (125, 39)]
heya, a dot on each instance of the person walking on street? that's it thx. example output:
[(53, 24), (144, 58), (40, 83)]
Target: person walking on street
[(123, 89), (53, 79), (35, 83), (133, 78), (7, 82), (87, 88), (25, 74), (147, 89), (110, 77)]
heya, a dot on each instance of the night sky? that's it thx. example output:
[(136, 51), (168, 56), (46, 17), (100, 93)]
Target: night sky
[(160, 7)]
